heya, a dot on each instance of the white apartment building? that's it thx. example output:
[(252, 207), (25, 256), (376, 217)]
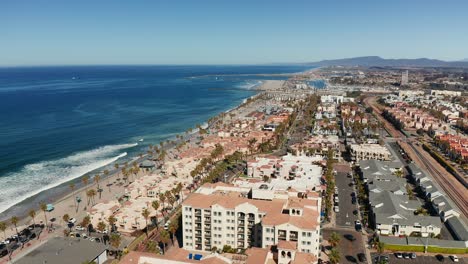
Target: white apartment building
[(445, 92), (369, 151), (227, 216)]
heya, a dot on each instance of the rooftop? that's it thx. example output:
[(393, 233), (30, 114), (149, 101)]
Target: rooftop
[(59, 250)]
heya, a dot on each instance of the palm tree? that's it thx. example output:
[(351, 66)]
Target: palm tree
[(173, 226), (164, 238), (14, 220), (85, 222), (65, 219), (3, 227), (93, 194), (155, 205), (115, 241), (97, 178), (111, 221), (85, 180), (162, 198), (334, 239), (146, 214), (32, 214), (380, 247), (334, 256), (44, 209), (72, 189), (101, 226)]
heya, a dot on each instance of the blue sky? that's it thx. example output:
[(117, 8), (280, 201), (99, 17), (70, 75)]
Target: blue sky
[(58, 32)]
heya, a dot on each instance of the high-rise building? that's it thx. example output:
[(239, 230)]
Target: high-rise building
[(222, 215), (404, 78)]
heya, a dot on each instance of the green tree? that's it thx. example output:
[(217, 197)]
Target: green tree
[(3, 227), (380, 247), (173, 226), (32, 214), (155, 205), (44, 209), (145, 213), (14, 221), (334, 239), (115, 240), (334, 256), (101, 226), (111, 220), (164, 238), (72, 189)]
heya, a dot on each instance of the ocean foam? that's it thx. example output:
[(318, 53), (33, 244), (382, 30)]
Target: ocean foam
[(249, 85), (37, 177)]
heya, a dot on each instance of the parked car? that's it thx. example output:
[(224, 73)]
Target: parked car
[(3, 253), (413, 255), (80, 228), (440, 257), (398, 255), (166, 225), (357, 225), (361, 257), (454, 258), (72, 220), (406, 255), (350, 237), (337, 209)]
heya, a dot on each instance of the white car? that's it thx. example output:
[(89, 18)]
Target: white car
[(92, 238), (454, 258), (80, 228), (337, 199), (72, 220), (84, 235), (166, 225), (337, 209)]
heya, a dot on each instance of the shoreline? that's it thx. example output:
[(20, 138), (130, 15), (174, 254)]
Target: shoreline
[(60, 194)]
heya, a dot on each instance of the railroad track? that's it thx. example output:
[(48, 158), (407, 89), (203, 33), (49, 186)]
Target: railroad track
[(455, 192)]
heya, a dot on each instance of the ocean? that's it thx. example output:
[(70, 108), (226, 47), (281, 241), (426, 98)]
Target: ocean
[(59, 123)]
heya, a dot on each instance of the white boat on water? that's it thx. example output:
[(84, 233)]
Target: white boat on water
[(141, 140)]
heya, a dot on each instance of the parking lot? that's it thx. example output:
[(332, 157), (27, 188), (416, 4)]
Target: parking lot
[(419, 259), (345, 217)]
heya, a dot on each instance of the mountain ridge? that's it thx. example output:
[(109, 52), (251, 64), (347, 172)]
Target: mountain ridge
[(381, 62)]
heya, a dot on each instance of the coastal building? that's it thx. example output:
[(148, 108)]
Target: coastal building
[(59, 250), (289, 171), (445, 93), (368, 151), (223, 215)]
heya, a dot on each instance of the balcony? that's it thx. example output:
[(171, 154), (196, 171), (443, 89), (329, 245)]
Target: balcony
[(198, 241), (198, 227), (241, 229), (251, 223), (197, 213), (241, 223), (240, 244), (197, 219), (198, 233), (198, 246), (207, 218), (240, 237)]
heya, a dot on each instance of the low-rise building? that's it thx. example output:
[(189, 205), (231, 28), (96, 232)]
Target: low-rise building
[(369, 151)]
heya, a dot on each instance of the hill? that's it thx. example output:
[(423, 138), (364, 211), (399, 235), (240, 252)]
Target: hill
[(381, 62)]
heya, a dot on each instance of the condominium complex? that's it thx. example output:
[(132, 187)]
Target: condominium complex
[(220, 214), (369, 151)]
